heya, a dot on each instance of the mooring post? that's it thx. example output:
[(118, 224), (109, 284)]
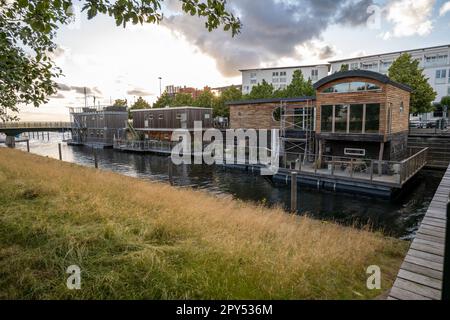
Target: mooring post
[(59, 150), (294, 192), (170, 169), (48, 135), (95, 158), (28, 145)]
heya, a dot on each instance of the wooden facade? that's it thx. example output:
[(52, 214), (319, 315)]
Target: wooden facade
[(168, 119), (158, 124), (261, 114), (377, 121)]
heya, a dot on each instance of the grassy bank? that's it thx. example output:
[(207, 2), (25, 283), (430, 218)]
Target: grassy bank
[(134, 239)]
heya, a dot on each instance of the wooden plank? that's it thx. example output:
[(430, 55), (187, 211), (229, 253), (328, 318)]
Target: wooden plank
[(418, 289), (427, 248), (402, 294), (420, 279), (425, 263), (430, 243), (432, 228), (425, 271), (434, 222), (432, 231), (430, 238), (426, 256)]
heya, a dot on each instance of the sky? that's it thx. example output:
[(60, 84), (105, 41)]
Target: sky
[(125, 63)]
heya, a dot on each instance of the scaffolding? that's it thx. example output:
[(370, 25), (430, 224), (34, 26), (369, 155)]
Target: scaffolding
[(297, 133)]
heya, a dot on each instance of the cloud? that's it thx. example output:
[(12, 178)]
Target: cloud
[(58, 96), (272, 29), (410, 17), (139, 92), (444, 9), (79, 90)]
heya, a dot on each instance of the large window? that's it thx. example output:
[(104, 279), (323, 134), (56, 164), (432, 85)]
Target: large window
[(340, 119), (326, 118), (352, 87), (356, 118), (372, 118)]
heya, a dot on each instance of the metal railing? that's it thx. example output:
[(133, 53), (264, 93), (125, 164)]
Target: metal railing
[(35, 125), (436, 127), (392, 172), (144, 145)]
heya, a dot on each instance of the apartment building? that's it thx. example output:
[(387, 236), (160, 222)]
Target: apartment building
[(434, 60), (280, 78)]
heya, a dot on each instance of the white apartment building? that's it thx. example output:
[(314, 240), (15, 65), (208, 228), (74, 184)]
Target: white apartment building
[(434, 60), (280, 78)]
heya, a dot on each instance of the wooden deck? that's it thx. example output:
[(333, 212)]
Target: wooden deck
[(421, 275)]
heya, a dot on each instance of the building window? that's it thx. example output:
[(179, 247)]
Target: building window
[(275, 74), (326, 117), (356, 118), (436, 59), (448, 91), (253, 81), (253, 75), (370, 66), (314, 74), (441, 76), (352, 87), (340, 118), (354, 66), (355, 152), (372, 118)]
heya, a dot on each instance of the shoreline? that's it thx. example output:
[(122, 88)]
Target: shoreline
[(193, 244)]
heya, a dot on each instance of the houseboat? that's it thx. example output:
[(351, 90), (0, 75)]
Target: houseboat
[(353, 135), (97, 126), (153, 128)]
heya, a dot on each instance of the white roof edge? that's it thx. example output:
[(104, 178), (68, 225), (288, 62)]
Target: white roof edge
[(174, 108)]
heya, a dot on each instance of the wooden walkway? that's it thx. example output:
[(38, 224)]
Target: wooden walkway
[(421, 275)]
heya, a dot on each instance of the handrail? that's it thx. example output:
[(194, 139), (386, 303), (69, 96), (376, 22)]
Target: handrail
[(34, 125)]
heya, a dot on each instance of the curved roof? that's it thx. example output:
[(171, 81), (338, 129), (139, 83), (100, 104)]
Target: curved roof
[(275, 100), (361, 74)]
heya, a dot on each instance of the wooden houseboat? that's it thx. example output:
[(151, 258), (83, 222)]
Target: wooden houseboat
[(159, 124), (97, 126), (354, 132)]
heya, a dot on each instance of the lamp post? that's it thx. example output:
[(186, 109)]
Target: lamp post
[(160, 86)]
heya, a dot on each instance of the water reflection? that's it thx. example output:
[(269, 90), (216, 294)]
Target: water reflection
[(399, 218)]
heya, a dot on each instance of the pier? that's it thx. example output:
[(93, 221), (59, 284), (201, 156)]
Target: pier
[(424, 274)]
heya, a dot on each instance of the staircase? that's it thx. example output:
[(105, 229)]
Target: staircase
[(439, 149)]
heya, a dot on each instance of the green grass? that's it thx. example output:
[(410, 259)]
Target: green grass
[(139, 240)]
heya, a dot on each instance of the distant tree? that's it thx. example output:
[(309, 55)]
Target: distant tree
[(344, 67), (205, 99), (120, 103), (165, 100), (262, 90), (407, 71), (140, 104), (182, 100), (445, 102), (219, 104), (299, 87), (28, 29)]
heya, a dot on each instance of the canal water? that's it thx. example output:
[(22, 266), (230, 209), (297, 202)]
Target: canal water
[(399, 217)]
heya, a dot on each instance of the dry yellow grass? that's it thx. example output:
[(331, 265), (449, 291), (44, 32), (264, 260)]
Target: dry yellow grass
[(134, 239)]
